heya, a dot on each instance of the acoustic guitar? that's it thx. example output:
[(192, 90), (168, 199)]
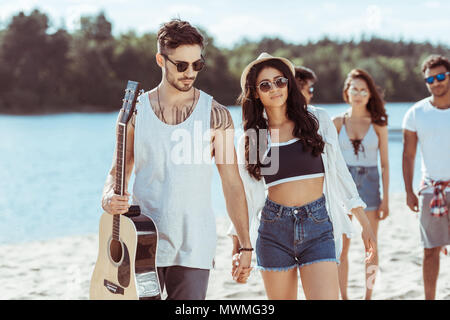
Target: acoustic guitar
[(126, 263)]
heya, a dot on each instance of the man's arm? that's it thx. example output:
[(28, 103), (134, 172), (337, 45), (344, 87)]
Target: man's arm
[(226, 162), (112, 203), (233, 188), (409, 155)]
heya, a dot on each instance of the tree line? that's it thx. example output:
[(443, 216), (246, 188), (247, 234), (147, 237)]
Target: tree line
[(46, 71)]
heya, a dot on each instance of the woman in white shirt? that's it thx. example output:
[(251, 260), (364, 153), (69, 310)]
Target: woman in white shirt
[(292, 149), (363, 134)]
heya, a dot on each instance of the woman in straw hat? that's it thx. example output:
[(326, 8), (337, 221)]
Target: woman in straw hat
[(292, 150)]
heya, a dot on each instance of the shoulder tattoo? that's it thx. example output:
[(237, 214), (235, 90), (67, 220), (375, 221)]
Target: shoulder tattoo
[(220, 117)]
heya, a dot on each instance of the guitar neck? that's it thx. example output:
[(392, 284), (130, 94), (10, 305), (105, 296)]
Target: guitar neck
[(128, 106), (119, 187)]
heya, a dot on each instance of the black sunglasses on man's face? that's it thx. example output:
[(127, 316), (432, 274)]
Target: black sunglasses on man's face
[(183, 65)]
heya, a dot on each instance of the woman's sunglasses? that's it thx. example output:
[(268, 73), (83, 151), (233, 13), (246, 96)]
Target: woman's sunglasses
[(439, 77), (182, 66), (266, 85), (362, 93)]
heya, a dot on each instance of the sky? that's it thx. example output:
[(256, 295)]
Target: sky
[(230, 21)]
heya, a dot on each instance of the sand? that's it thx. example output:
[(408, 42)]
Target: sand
[(61, 268)]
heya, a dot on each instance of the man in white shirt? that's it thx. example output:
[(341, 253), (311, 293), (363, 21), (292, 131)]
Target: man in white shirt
[(428, 122)]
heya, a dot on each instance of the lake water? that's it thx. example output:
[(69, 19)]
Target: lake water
[(53, 167)]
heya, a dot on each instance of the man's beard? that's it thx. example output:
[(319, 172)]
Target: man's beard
[(440, 92), (173, 82)]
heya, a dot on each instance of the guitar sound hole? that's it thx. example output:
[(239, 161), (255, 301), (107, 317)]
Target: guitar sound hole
[(115, 250)]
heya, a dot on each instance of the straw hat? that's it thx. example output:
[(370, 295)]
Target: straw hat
[(263, 57)]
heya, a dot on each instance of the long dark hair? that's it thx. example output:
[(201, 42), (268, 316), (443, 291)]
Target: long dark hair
[(375, 106), (306, 124)]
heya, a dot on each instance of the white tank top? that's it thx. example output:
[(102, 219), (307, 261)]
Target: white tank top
[(173, 174), (367, 155)]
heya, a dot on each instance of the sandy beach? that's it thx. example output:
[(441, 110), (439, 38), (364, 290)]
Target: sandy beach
[(61, 268)]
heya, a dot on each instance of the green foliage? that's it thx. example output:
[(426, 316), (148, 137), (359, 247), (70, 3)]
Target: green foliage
[(87, 70), (26, 71)]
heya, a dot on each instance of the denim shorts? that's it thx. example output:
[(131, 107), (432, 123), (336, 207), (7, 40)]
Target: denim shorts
[(294, 236), (367, 180)]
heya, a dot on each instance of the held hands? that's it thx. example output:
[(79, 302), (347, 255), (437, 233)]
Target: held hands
[(116, 204), (241, 263), (241, 268)]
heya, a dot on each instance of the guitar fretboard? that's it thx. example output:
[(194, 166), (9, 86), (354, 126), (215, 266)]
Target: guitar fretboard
[(120, 173), (128, 105), (120, 162)]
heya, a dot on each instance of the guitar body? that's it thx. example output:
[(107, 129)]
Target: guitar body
[(126, 269), (126, 263)]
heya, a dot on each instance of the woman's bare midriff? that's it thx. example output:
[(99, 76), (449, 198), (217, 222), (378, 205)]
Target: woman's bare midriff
[(297, 193)]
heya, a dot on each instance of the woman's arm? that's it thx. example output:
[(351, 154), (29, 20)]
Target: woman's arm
[(368, 237), (348, 190), (382, 132), (338, 121)]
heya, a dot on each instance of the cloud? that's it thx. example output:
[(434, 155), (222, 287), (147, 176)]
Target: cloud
[(74, 12), (292, 20), (99, 2), (181, 9), (230, 29), (373, 18), (432, 4), (330, 6), (10, 8)]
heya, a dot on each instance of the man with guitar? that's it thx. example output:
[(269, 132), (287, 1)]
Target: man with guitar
[(174, 134)]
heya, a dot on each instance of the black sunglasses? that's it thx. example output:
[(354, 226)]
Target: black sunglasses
[(266, 85), (183, 65), (439, 77)]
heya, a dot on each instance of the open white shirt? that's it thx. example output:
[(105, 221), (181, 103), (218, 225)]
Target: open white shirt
[(339, 188)]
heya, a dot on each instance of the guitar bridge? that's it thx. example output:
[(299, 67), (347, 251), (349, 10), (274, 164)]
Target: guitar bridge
[(113, 288)]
